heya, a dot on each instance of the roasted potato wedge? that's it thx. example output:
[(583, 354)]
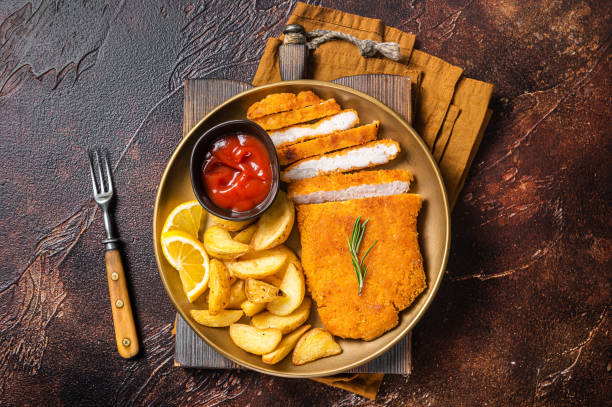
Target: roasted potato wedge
[(253, 340), (293, 288), (237, 296), (314, 344), (292, 258), (285, 323), (219, 286), (275, 225), (245, 235), (275, 280), (229, 225), (251, 308), (259, 291), (219, 243), (221, 319), (257, 264), (285, 346)]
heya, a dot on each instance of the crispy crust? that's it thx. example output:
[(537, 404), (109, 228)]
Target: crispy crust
[(331, 142), (395, 267), (335, 182), (338, 153), (274, 134), (302, 115), (281, 102)]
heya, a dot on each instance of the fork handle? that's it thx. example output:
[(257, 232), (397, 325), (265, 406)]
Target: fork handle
[(123, 318)]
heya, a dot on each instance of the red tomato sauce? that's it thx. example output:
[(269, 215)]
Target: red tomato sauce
[(237, 172)]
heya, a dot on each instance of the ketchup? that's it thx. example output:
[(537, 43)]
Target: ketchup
[(237, 172)]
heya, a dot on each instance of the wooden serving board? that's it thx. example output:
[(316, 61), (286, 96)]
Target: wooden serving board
[(201, 96)]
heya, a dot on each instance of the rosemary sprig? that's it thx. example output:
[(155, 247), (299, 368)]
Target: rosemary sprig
[(354, 242)]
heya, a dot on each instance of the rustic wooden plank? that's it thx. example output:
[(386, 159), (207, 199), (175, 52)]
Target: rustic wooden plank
[(393, 90), (292, 61), (202, 95)]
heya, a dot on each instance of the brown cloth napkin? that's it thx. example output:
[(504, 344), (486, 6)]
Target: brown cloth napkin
[(451, 112)]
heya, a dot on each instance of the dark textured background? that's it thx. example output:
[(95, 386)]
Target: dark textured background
[(522, 317)]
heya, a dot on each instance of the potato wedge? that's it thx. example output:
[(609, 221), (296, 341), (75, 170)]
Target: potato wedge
[(219, 244), (221, 319), (257, 264), (229, 225), (255, 340), (291, 256), (293, 288), (275, 225), (285, 346), (260, 292), (219, 286), (250, 308), (285, 323), (245, 235), (275, 280), (314, 344), (237, 296)]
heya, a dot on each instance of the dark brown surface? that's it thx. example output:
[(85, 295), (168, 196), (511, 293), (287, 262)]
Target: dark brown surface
[(523, 316)]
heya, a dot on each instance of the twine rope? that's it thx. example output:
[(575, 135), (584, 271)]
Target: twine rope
[(367, 48)]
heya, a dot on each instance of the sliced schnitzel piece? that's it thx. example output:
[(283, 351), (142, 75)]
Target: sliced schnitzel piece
[(353, 158), (281, 102), (294, 134), (342, 187), (324, 144), (302, 115), (395, 274)]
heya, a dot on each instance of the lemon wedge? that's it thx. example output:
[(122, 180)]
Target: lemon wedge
[(187, 254), (188, 217)]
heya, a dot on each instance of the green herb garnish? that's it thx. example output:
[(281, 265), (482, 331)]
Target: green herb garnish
[(354, 242)]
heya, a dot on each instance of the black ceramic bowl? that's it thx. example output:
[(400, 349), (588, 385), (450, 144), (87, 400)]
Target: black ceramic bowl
[(198, 155)]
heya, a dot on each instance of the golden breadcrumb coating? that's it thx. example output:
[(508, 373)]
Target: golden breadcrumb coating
[(395, 274), (312, 163), (302, 115), (281, 102), (335, 182), (302, 132), (325, 144)]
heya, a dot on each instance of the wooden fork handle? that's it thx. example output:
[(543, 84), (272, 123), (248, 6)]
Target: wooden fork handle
[(123, 318)]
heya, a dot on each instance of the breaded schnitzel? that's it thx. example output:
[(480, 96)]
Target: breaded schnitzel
[(324, 144), (376, 152), (356, 185), (281, 102), (395, 267), (301, 132), (302, 115)]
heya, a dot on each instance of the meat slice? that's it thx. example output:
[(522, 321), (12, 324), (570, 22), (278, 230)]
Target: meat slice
[(354, 158), (281, 102), (294, 134), (324, 144), (343, 187), (303, 115)]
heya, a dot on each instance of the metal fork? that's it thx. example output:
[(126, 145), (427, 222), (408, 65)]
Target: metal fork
[(123, 318)]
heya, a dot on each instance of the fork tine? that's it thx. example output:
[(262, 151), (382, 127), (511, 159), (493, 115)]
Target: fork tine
[(109, 178), (91, 169), (99, 171)]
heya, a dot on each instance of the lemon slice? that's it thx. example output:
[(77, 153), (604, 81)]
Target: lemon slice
[(188, 256), (188, 217)]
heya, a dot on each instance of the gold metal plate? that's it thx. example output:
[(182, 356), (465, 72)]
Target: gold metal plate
[(433, 225)]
